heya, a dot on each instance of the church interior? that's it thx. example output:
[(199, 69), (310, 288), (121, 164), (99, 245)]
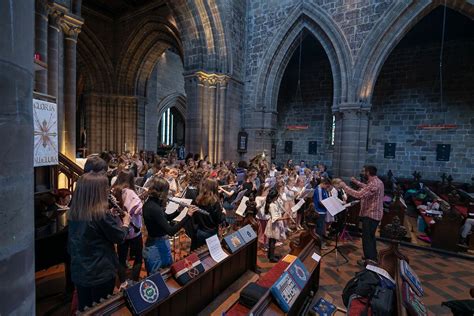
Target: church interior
[(237, 157)]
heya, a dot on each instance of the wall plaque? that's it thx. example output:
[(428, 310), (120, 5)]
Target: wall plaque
[(312, 148), (389, 150), (443, 152), (242, 140), (288, 147)]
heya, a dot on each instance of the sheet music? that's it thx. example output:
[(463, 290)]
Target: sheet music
[(380, 271), (297, 206), (181, 215), (239, 196), (333, 205), (316, 257), (173, 207), (215, 249), (242, 207)]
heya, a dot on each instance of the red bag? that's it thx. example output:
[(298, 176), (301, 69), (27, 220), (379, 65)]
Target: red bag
[(187, 269), (359, 306)]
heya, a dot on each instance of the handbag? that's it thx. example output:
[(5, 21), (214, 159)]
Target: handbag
[(187, 269), (251, 294)]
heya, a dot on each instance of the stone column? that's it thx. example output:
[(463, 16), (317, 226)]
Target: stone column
[(352, 122), (41, 43), (17, 261), (71, 27), (55, 17), (221, 119)]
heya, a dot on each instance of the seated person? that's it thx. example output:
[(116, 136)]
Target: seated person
[(467, 227)]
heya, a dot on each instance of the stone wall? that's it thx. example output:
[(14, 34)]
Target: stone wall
[(269, 20), (407, 95)]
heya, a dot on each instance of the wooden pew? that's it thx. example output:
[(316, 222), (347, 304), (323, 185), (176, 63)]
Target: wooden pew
[(444, 233), (389, 260), (309, 243), (193, 297)]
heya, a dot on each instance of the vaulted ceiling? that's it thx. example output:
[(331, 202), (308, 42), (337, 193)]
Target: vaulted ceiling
[(117, 7)]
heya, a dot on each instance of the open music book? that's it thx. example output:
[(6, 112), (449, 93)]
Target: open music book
[(297, 206), (173, 207), (242, 206), (334, 205)]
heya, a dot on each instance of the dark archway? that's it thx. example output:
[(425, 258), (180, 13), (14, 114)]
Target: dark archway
[(408, 96), (304, 114)]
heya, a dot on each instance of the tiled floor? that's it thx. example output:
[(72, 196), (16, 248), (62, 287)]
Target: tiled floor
[(443, 278)]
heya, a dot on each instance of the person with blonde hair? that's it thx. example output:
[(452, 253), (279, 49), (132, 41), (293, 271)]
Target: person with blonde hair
[(93, 231)]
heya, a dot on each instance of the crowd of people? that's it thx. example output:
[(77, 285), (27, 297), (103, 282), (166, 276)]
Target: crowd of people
[(119, 196)]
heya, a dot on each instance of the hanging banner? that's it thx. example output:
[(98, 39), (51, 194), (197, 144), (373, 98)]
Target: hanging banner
[(45, 118)]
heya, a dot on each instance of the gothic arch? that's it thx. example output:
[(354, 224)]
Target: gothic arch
[(389, 31), (205, 41), (95, 61), (307, 18), (175, 99), (141, 51)]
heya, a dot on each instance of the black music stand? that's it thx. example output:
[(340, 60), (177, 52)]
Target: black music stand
[(339, 228)]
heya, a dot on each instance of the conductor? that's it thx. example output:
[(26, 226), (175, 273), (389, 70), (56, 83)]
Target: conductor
[(371, 209)]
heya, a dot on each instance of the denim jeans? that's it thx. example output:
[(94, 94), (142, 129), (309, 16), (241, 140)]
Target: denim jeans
[(369, 242), (157, 254), (320, 225)]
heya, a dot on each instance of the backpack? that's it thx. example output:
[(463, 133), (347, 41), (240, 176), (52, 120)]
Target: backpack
[(378, 291), (363, 284)]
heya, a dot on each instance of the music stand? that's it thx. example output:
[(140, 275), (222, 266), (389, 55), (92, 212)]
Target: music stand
[(339, 229)]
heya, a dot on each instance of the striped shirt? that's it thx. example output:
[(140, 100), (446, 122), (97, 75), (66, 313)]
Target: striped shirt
[(371, 197)]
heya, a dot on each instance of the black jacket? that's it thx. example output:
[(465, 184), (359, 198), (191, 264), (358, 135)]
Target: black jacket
[(157, 222), (91, 246), (209, 223)]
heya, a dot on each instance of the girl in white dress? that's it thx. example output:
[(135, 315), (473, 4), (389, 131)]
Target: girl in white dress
[(275, 229)]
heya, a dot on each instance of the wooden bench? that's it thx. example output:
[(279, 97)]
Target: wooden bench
[(308, 243), (389, 259), (193, 297)]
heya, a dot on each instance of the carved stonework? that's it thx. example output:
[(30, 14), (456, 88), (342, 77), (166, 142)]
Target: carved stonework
[(212, 79), (55, 18), (395, 231), (71, 27)]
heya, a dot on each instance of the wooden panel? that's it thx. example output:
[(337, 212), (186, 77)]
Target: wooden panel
[(193, 297)]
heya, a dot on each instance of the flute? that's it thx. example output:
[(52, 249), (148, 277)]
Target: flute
[(121, 212), (187, 205), (282, 207)]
